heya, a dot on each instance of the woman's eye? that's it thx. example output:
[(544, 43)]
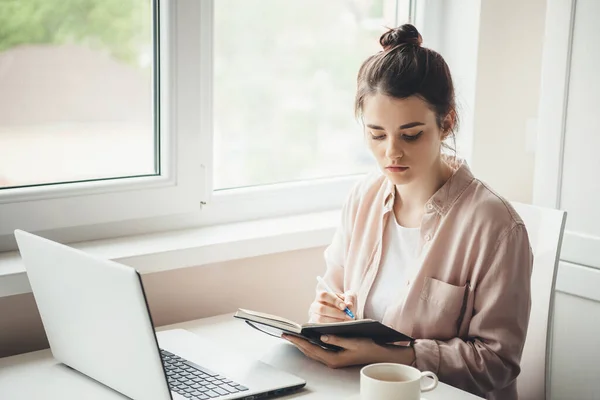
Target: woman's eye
[(377, 137), (412, 138)]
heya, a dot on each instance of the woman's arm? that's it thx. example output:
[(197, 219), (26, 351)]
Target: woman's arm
[(324, 307), (488, 359), (335, 258)]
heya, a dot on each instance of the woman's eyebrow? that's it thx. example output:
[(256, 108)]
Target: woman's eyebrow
[(405, 126)]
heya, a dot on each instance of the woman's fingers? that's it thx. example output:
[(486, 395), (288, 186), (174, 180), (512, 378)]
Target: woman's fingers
[(327, 311), (329, 307), (331, 299), (349, 298)]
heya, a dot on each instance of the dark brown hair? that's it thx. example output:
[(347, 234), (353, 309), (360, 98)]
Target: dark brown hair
[(403, 69)]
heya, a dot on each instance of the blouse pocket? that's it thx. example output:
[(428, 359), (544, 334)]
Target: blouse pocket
[(439, 309)]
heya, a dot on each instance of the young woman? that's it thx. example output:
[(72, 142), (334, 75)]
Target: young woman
[(423, 246)]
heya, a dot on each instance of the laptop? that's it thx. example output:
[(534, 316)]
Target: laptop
[(96, 317)]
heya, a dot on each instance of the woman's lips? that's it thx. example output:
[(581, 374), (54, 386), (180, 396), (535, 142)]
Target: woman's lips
[(396, 168)]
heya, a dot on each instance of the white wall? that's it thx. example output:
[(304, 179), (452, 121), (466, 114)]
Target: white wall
[(494, 51), (507, 94)]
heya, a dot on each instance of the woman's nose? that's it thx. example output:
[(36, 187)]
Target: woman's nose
[(394, 149)]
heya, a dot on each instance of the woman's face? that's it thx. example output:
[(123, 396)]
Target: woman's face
[(403, 136)]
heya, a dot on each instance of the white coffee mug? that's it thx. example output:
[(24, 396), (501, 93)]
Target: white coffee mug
[(387, 381)]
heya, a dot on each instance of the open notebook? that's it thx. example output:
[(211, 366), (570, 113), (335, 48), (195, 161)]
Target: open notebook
[(363, 328)]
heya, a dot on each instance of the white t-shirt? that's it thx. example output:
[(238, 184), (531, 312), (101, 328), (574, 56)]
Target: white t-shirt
[(397, 263)]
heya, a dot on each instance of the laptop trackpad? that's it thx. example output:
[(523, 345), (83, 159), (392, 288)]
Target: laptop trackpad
[(254, 374)]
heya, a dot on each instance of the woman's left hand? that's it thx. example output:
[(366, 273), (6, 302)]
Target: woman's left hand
[(356, 351)]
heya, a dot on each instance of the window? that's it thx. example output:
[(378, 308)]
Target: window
[(76, 91), (284, 87), (120, 112), (89, 131)]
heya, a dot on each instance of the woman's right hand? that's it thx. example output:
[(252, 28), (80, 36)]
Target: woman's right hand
[(328, 307)]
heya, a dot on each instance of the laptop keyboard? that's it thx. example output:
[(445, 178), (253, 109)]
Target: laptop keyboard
[(195, 382)]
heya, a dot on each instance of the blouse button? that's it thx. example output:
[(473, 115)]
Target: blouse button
[(427, 238), (429, 206)]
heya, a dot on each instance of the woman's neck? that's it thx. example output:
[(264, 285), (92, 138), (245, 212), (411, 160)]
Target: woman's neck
[(410, 199)]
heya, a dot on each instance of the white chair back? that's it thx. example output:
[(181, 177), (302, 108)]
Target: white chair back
[(545, 227)]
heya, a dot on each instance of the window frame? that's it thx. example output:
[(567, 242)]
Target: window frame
[(180, 186), (182, 197)]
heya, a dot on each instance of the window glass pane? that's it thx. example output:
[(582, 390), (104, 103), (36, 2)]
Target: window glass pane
[(76, 90), (285, 80)]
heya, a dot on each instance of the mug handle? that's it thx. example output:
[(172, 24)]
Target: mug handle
[(433, 384)]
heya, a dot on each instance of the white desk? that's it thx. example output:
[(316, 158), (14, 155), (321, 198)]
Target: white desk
[(37, 375)]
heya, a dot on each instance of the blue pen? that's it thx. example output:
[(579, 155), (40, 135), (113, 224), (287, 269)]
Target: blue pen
[(347, 310)]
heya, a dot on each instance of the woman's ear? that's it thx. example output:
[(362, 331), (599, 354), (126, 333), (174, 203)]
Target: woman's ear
[(448, 124)]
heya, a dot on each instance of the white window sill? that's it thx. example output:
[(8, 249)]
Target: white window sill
[(192, 247)]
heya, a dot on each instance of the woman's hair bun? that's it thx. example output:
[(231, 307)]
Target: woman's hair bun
[(405, 34)]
